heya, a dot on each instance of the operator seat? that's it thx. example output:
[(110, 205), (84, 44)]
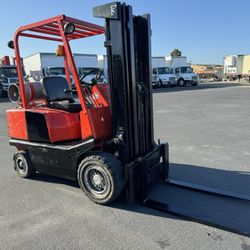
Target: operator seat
[(58, 96)]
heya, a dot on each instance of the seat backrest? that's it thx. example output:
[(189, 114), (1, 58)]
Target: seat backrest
[(55, 88)]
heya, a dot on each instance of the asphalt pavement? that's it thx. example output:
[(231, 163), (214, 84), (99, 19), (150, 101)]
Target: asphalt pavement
[(207, 128)]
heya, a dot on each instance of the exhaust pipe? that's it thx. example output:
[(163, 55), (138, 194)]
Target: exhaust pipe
[(33, 91)]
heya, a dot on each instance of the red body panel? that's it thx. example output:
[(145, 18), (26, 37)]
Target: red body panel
[(96, 123), (101, 123), (17, 124), (61, 125), (101, 93)]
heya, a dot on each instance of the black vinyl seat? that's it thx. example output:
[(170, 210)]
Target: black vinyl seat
[(58, 95)]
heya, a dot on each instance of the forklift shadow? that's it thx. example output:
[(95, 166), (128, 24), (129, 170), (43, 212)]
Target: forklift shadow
[(201, 86), (56, 180), (184, 204)]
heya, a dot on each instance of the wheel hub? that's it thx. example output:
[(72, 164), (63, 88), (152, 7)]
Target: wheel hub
[(20, 165), (97, 180)]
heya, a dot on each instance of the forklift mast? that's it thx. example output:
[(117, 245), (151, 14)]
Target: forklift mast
[(128, 43), (129, 70)]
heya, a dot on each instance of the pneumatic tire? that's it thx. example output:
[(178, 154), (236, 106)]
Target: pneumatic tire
[(101, 176), (23, 164)]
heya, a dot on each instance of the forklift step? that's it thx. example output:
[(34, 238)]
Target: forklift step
[(226, 213)]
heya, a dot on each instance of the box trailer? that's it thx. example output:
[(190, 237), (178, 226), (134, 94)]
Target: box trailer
[(158, 61), (35, 65), (174, 62), (246, 66), (86, 60), (239, 65)]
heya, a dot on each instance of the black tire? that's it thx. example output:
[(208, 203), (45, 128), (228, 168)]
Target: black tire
[(160, 84), (181, 82), (101, 177), (194, 84), (23, 164), (1, 93)]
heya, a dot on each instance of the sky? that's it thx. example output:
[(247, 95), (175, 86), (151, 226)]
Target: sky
[(204, 30)]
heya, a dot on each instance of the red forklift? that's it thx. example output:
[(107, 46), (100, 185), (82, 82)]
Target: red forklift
[(104, 136)]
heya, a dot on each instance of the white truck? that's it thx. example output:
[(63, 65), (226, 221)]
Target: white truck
[(42, 64), (182, 70), (8, 75), (162, 75)]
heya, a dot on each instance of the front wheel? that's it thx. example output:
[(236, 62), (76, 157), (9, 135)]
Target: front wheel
[(160, 84), (1, 93), (194, 84), (102, 178), (181, 83)]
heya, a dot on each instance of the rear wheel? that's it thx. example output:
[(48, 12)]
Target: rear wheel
[(101, 176), (23, 164)]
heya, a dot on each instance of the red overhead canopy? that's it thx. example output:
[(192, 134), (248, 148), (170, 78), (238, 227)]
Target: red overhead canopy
[(49, 29), (53, 29)]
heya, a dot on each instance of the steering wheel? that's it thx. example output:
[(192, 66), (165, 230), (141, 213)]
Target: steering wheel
[(98, 73)]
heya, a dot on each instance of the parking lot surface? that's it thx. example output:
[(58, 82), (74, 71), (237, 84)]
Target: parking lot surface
[(207, 128)]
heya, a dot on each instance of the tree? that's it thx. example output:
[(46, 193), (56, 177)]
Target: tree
[(176, 53)]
